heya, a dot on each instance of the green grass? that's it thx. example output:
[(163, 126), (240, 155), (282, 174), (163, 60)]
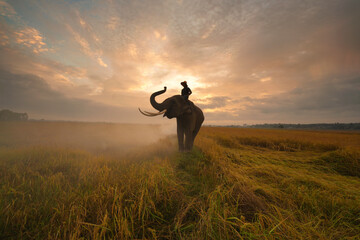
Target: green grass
[(235, 184)]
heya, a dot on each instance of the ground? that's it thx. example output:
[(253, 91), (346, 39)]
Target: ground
[(82, 180)]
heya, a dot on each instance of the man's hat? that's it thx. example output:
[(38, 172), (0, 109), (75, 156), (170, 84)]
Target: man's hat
[(184, 83)]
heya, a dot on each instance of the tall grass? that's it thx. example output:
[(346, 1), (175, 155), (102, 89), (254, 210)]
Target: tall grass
[(226, 188)]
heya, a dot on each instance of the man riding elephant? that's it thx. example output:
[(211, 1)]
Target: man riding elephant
[(186, 91)]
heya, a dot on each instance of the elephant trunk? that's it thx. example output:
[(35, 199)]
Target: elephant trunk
[(156, 105)]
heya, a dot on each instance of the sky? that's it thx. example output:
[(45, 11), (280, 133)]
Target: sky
[(246, 61)]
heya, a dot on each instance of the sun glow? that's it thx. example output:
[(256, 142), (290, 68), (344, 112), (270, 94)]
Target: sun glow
[(173, 82), (159, 76)]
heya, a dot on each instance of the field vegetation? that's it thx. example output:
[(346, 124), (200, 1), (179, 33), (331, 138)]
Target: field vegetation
[(113, 181)]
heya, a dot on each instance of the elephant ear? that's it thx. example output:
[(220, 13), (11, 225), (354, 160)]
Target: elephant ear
[(186, 110)]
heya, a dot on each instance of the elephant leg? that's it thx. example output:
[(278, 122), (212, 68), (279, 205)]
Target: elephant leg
[(180, 135), (188, 140), (193, 135), (195, 132)]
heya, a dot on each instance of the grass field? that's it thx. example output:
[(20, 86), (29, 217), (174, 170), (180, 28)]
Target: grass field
[(113, 181)]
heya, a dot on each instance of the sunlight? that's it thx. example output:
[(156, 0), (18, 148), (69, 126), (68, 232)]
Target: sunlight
[(173, 82), (159, 76)]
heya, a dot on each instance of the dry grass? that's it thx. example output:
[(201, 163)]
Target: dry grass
[(236, 184)]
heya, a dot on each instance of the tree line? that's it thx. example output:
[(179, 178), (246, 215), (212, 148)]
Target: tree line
[(7, 115)]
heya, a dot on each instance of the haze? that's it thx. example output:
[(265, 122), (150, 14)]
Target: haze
[(99, 138), (245, 61)]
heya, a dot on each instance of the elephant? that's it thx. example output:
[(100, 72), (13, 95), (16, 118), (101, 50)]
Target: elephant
[(189, 117)]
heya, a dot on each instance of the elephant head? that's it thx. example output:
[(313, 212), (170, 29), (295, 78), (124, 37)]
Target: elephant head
[(171, 107)]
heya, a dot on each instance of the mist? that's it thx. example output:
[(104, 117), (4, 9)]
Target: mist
[(99, 138)]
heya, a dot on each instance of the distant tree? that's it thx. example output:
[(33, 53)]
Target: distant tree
[(7, 115)]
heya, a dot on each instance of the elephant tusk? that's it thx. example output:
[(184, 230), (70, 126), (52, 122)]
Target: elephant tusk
[(149, 114), (146, 114), (155, 114)]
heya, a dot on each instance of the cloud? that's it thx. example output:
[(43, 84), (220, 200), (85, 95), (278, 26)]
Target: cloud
[(61, 77), (6, 9), (113, 22), (213, 102), (209, 31), (331, 101), (31, 94), (95, 54), (244, 60), (325, 101), (31, 38), (265, 79), (4, 39), (334, 96)]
